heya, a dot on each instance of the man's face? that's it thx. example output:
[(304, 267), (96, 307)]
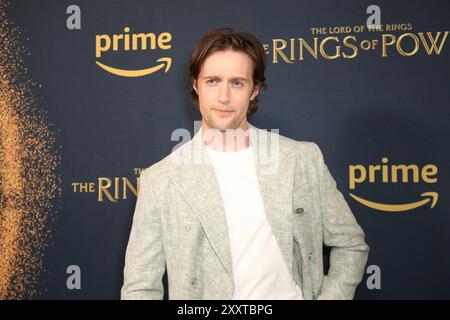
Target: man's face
[(225, 89)]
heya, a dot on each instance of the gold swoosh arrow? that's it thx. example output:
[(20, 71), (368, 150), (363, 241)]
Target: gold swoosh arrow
[(137, 73), (432, 196)]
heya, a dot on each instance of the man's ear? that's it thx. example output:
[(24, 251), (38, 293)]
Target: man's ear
[(255, 92), (194, 85)]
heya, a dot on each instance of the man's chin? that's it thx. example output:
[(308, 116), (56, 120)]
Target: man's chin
[(223, 126)]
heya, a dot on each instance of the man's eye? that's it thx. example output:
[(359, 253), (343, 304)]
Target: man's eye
[(237, 84), (211, 81)]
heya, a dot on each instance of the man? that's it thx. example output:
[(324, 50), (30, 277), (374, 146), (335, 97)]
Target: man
[(229, 217)]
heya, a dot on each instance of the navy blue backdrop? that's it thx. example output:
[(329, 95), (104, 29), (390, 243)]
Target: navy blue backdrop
[(359, 109)]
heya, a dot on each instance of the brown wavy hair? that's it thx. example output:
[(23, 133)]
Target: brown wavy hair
[(223, 39)]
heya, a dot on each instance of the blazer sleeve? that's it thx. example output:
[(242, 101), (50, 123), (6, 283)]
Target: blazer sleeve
[(341, 232), (145, 259)]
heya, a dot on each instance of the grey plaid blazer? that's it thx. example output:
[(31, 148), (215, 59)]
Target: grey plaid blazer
[(179, 224)]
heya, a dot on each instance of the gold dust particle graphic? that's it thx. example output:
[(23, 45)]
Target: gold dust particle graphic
[(29, 185)]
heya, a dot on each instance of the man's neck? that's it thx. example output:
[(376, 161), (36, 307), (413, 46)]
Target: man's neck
[(231, 140)]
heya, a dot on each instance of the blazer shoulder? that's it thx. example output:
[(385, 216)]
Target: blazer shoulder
[(308, 158), (307, 151), (163, 169)]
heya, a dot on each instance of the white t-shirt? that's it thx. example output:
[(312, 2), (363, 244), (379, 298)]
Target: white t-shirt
[(260, 271)]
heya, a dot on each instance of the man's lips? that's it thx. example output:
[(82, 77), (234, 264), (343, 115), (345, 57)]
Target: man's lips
[(223, 110)]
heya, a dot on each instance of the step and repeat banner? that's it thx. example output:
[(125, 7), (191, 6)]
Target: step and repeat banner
[(91, 92)]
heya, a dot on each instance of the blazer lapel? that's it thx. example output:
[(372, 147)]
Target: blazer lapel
[(275, 172), (198, 185), (281, 196)]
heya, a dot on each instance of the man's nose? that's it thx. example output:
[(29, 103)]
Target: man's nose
[(224, 93)]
